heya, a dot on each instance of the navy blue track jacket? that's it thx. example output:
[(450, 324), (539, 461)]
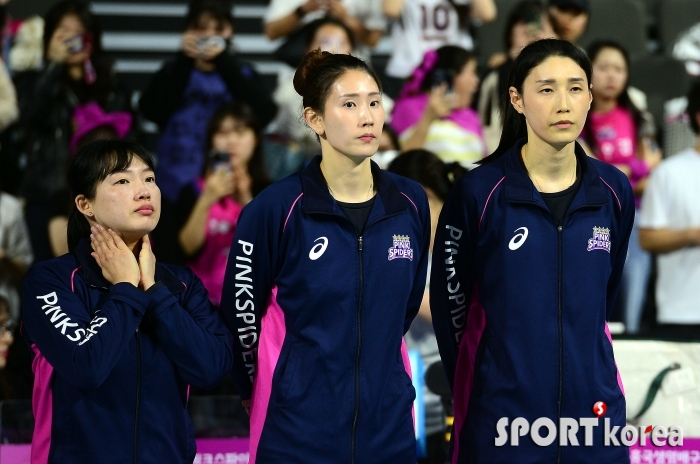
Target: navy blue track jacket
[(318, 315), (113, 363), (520, 306)]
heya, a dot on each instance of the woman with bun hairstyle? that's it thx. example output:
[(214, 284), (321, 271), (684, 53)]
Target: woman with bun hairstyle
[(530, 248), (326, 273), (117, 337)]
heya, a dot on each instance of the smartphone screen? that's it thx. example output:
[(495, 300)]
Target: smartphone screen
[(442, 76), (75, 44), (218, 159)]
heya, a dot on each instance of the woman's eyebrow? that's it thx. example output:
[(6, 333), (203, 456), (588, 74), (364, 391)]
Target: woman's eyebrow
[(552, 80), (371, 94)]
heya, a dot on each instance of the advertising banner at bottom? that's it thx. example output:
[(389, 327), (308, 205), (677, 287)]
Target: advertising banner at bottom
[(209, 451), (235, 451), (687, 453)]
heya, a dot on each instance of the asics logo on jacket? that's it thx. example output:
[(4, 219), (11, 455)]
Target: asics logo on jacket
[(319, 350), (519, 238), (520, 307), (318, 249)]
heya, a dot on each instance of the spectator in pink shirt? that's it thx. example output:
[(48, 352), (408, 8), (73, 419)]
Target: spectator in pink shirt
[(207, 209), (619, 133)]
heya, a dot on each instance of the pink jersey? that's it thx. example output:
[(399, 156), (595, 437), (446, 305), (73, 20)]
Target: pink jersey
[(210, 263), (616, 141)]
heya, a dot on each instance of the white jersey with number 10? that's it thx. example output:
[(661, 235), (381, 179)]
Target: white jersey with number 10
[(423, 25)]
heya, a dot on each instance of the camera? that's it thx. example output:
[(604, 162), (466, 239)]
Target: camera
[(75, 44), (218, 159), (442, 76), (215, 41)]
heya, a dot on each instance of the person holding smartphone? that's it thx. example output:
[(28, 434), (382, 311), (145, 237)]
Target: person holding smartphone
[(433, 111), (207, 209), (185, 92), (75, 72)]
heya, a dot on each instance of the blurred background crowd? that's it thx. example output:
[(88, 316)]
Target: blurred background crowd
[(206, 86)]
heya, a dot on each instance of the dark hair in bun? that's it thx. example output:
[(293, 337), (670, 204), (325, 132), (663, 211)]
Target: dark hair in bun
[(318, 72)]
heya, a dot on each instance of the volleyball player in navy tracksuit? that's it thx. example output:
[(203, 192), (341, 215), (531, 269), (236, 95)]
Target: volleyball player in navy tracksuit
[(327, 271), (528, 257), (118, 338)]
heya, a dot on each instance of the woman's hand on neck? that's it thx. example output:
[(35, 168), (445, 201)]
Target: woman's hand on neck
[(349, 178), (132, 243), (551, 168)]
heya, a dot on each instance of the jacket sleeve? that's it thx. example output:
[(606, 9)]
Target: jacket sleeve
[(192, 335), (246, 85), (418, 289), (619, 255), (165, 92), (451, 276), (248, 283), (81, 348)]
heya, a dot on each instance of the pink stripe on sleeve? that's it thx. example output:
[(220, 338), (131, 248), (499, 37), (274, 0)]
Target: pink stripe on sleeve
[(409, 199), (613, 191), (466, 366), (407, 366), (72, 277), (489, 199), (619, 378), (290, 211), (272, 335), (42, 407)]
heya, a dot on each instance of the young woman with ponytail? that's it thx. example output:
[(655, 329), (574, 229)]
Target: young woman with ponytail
[(531, 247), (326, 272), (117, 338)]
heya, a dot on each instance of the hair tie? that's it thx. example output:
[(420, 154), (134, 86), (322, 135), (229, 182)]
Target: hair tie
[(90, 116), (430, 59)]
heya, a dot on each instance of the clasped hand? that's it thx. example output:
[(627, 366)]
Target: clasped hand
[(118, 262)]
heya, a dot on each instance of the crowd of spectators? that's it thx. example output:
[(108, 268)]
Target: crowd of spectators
[(220, 129)]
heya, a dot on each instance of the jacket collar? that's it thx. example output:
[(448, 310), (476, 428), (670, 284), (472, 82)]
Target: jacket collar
[(92, 272), (520, 188), (317, 198)]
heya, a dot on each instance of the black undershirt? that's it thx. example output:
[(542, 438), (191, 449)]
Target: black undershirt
[(559, 202), (357, 213)]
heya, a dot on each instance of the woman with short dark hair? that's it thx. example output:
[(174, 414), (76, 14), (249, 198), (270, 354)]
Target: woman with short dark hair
[(117, 338)]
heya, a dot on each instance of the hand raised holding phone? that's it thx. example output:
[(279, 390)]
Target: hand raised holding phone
[(219, 183), (442, 100)]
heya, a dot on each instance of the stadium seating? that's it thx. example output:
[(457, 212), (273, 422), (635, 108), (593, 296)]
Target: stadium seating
[(621, 20), (675, 17)]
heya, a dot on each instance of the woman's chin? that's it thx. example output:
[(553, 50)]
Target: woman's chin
[(133, 235)]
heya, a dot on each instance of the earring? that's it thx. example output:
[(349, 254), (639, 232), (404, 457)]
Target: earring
[(89, 214)]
